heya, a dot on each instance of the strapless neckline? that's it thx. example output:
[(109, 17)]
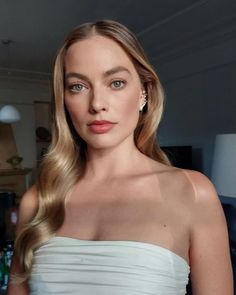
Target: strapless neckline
[(129, 242), (68, 265)]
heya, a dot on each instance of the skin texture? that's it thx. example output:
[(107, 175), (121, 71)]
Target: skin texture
[(110, 90), (125, 195)]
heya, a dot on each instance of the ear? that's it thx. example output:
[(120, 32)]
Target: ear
[(142, 94), (143, 99)]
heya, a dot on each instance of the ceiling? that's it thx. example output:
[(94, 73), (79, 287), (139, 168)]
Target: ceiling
[(166, 28)]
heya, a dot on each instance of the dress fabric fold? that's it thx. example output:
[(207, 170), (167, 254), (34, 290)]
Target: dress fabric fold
[(71, 266)]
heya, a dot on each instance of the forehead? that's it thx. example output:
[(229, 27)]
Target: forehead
[(97, 53)]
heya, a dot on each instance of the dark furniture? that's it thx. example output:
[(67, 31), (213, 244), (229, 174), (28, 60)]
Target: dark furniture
[(180, 156)]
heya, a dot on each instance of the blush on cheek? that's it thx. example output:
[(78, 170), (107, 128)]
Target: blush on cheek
[(131, 112), (132, 105)]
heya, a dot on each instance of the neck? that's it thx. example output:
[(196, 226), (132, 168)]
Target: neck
[(104, 164)]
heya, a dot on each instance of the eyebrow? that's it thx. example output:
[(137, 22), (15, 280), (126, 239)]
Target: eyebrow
[(116, 70), (105, 74)]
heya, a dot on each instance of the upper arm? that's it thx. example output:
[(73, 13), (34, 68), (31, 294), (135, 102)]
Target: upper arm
[(27, 210), (211, 270)]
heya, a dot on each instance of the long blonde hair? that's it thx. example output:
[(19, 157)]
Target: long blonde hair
[(66, 158)]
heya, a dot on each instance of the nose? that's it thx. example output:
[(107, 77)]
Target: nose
[(98, 102)]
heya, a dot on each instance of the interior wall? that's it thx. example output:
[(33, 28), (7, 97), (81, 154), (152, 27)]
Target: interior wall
[(22, 94), (200, 100)]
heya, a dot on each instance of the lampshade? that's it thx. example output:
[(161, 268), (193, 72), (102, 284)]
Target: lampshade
[(224, 165), (9, 114)]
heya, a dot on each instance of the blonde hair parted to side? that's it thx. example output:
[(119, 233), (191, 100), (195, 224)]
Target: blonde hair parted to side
[(65, 161)]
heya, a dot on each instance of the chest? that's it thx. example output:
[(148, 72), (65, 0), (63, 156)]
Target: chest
[(126, 212), (115, 204)]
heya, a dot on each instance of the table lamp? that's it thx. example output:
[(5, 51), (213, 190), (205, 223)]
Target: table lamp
[(224, 165)]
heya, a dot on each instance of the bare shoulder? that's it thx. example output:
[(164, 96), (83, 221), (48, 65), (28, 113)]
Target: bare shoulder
[(209, 256), (199, 190), (203, 187), (28, 206), (198, 185), (207, 211), (211, 270), (190, 190), (206, 199), (179, 184)]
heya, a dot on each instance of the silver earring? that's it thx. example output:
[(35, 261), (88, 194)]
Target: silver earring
[(144, 100)]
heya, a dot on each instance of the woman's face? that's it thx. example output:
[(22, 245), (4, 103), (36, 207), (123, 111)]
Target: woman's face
[(102, 92)]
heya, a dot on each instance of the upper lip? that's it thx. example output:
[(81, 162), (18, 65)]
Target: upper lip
[(100, 122)]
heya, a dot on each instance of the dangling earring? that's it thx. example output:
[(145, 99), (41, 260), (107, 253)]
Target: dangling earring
[(144, 100)]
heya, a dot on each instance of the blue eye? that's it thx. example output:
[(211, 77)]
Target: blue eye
[(118, 84), (76, 87)]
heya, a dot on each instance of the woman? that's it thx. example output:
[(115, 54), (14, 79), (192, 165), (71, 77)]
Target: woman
[(109, 214)]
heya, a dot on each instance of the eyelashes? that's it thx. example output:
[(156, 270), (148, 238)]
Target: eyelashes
[(80, 87), (118, 84)]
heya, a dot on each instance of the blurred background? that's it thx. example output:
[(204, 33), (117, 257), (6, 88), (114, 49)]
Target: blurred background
[(192, 46)]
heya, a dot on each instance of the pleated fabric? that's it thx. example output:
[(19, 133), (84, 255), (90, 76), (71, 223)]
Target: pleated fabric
[(71, 266)]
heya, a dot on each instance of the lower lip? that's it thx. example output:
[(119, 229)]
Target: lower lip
[(103, 128)]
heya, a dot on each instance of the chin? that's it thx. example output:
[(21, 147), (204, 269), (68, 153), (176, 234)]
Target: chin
[(99, 145), (108, 142)]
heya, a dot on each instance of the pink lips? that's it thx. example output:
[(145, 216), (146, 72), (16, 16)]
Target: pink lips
[(101, 126)]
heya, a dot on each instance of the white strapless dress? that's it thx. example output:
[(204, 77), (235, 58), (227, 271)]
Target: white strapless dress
[(71, 266)]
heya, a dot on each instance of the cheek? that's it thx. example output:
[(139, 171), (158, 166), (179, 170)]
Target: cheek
[(76, 116), (130, 106), (75, 110)]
